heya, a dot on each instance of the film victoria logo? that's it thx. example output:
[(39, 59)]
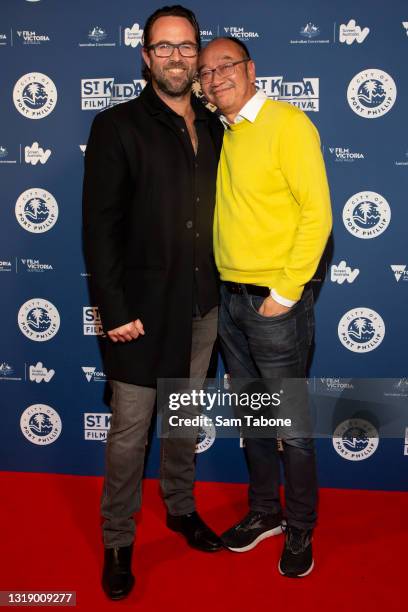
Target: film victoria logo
[(342, 273), (206, 436), (35, 95), (240, 33), (133, 36), (351, 32), (343, 154), (31, 37), (101, 93), (93, 375), (361, 330), (40, 424), (3, 39), (38, 320), (366, 214), (304, 94), (92, 321), (36, 210), (8, 372), (97, 36), (371, 93), (310, 34), (400, 272), (97, 425), (355, 439)]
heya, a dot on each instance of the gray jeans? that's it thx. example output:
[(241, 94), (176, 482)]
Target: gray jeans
[(132, 408)]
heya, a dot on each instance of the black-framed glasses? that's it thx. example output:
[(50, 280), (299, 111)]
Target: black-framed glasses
[(223, 70), (166, 49)]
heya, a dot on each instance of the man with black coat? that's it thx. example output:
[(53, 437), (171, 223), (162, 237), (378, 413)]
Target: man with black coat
[(148, 198)]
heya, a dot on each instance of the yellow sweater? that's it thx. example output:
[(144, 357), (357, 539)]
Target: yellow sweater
[(273, 214)]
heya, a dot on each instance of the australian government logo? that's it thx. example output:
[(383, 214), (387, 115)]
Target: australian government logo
[(97, 37), (41, 424), (36, 210), (35, 95), (206, 436), (310, 34), (361, 330), (38, 320), (8, 372), (304, 94), (97, 94), (366, 214), (355, 439), (371, 93)]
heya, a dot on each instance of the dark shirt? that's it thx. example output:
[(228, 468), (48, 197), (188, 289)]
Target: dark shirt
[(203, 174)]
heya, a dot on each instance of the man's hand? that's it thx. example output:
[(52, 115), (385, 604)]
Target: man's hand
[(128, 332), (270, 308)]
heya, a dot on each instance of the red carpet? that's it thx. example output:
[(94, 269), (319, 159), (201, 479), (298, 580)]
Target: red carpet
[(51, 540)]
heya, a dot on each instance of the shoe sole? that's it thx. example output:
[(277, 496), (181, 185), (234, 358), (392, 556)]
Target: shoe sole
[(289, 575), (263, 536)]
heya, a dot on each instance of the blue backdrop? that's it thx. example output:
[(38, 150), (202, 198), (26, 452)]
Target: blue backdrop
[(344, 64)]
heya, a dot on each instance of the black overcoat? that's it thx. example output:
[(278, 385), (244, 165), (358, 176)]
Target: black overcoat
[(139, 237)]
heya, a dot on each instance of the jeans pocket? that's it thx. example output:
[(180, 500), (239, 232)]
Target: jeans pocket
[(255, 302)]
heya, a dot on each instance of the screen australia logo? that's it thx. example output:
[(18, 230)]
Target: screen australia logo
[(304, 94)]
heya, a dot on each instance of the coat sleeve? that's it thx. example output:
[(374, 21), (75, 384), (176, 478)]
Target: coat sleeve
[(106, 191)]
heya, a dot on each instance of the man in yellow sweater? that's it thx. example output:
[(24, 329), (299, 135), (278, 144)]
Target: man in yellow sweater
[(272, 221)]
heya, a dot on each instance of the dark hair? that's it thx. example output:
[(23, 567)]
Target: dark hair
[(242, 46), (168, 11)]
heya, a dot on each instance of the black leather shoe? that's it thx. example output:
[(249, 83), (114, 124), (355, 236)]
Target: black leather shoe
[(117, 578), (196, 532)]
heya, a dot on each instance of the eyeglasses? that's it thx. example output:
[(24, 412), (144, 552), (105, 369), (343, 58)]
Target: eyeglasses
[(223, 70), (166, 49)]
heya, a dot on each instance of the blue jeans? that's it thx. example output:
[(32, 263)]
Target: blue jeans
[(255, 346)]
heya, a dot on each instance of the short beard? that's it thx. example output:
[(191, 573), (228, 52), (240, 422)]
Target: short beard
[(170, 89)]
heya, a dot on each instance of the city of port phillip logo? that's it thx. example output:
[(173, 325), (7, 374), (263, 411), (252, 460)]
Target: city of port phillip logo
[(366, 214), (36, 210), (40, 424), (38, 320), (206, 436), (371, 93), (355, 439), (361, 330), (35, 95)]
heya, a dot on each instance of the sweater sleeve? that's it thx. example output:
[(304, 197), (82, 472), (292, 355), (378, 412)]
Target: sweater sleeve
[(304, 170)]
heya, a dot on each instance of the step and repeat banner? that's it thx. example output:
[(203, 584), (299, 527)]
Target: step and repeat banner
[(344, 64)]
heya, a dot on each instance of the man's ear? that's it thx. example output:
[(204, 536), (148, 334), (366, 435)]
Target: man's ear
[(145, 55), (251, 71)]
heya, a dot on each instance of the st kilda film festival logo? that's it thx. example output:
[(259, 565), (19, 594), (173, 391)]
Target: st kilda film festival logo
[(38, 320), (36, 210), (361, 330), (366, 214), (371, 93), (35, 95)]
